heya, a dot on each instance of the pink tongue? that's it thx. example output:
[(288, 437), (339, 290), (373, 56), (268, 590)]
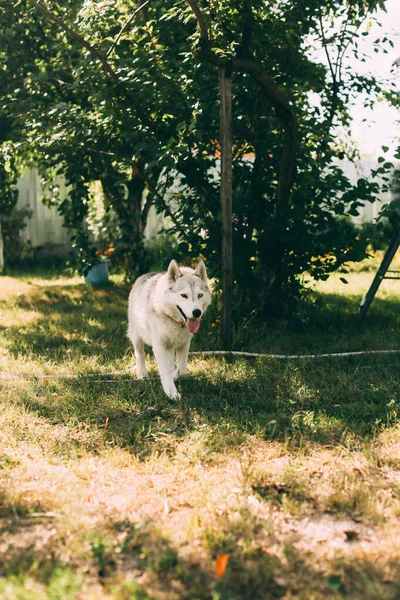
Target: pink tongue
[(193, 325)]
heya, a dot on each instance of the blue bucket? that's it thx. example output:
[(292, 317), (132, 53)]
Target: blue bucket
[(98, 275)]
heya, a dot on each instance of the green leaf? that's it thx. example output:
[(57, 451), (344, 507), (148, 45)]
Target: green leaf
[(334, 582)]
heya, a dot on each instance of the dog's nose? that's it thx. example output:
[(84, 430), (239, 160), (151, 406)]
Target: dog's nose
[(196, 313)]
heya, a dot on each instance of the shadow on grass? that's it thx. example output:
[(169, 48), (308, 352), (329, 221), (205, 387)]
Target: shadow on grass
[(297, 402), (79, 319), (87, 320), (328, 323), (320, 400), (31, 551), (133, 560), (24, 528)]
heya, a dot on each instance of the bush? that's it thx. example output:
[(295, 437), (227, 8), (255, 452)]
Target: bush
[(376, 235), (15, 249), (161, 249)]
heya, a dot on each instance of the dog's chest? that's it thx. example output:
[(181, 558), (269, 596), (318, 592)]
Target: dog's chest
[(173, 334)]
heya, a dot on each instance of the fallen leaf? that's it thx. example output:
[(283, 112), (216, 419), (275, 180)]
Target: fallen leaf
[(221, 563)]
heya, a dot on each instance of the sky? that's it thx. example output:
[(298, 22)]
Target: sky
[(380, 127)]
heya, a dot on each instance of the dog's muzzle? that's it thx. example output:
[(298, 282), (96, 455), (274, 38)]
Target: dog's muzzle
[(192, 324)]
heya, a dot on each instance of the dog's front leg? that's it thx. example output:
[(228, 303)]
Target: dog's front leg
[(165, 362), (140, 356), (181, 359)]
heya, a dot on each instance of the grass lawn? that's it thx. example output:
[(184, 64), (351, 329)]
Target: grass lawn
[(269, 479)]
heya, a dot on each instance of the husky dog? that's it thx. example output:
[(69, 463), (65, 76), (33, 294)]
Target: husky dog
[(164, 313)]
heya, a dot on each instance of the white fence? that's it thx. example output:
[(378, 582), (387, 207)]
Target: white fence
[(46, 226)]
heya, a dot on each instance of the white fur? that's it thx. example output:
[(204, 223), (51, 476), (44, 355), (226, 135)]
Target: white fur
[(155, 320)]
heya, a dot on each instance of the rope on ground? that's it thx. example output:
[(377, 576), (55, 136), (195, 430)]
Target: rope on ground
[(4, 377), (291, 356)]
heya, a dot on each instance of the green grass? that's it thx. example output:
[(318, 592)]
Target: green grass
[(291, 468)]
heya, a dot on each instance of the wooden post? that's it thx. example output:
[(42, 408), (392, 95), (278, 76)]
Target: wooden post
[(225, 89), (384, 267)]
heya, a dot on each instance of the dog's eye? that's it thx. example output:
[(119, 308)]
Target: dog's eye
[(200, 296), (184, 296)]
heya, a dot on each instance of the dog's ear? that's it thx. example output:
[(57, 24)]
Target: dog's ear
[(173, 271), (201, 271)]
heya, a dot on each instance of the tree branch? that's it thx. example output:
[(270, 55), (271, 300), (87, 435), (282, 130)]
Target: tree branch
[(201, 22), (335, 67), (167, 210), (52, 17), (285, 112), (125, 27), (283, 109), (343, 48), (325, 45)]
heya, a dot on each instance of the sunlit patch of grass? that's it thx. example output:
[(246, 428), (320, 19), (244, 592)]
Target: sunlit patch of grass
[(291, 492), (12, 287), (386, 448), (358, 497), (326, 483)]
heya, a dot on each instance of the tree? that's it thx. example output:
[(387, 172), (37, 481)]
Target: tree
[(284, 225), (89, 117), (138, 111)]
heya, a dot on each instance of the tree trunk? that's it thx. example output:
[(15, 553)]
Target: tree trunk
[(225, 87), (1, 251), (132, 218)]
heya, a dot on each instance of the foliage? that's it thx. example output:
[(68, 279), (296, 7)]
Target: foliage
[(137, 111), (162, 247), (376, 235), (8, 200), (277, 241), (15, 249), (8, 179)]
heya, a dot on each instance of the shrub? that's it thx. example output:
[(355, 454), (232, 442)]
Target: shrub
[(15, 249)]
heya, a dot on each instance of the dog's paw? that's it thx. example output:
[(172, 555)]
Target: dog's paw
[(172, 392), (177, 374)]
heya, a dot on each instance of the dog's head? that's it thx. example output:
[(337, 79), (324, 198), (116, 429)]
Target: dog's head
[(189, 292)]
